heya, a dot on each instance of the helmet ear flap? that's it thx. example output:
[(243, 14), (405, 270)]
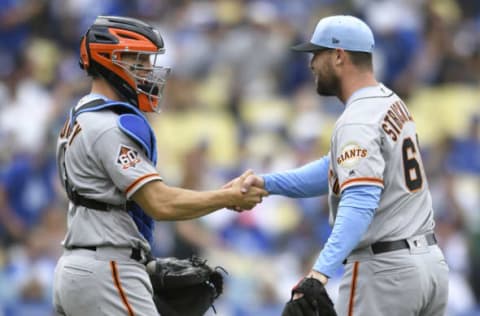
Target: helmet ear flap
[(84, 61)]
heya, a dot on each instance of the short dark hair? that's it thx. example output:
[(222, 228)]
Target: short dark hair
[(361, 59)]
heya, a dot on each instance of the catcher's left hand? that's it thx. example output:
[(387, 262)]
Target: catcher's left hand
[(314, 302), (184, 287)]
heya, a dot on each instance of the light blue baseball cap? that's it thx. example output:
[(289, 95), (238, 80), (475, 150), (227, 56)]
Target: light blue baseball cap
[(340, 31)]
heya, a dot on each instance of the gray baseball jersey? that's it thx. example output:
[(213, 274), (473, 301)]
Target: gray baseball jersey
[(375, 143), (105, 165)]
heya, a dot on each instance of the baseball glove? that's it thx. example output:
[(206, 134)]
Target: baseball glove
[(184, 287), (314, 302)]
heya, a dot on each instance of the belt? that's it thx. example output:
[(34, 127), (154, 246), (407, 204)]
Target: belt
[(386, 246), (137, 253)]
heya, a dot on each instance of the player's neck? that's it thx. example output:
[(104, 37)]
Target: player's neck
[(350, 84), (100, 86)]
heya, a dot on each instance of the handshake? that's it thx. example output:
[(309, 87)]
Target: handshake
[(248, 189)]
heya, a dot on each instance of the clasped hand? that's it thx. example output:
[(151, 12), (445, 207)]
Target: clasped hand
[(250, 189)]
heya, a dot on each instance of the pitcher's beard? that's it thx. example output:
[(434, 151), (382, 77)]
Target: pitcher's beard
[(328, 87)]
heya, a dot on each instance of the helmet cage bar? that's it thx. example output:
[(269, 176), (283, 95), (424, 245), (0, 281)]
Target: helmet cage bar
[(148, 76)]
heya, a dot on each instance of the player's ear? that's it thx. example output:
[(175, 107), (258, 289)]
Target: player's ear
[(339, 55)]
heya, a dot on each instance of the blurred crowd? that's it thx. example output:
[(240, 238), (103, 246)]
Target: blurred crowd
[(237, 98)]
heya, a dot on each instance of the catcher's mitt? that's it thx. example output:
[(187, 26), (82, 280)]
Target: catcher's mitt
[(184, 287), (314, 302)]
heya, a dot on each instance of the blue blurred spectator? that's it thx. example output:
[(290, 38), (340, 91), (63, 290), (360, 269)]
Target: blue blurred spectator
[(244, 236), (27, 188), (74, 17), (29, 273), (464, 155), (15, 29), (31, 302)]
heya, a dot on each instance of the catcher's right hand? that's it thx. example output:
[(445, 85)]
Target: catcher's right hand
[(314, 302)]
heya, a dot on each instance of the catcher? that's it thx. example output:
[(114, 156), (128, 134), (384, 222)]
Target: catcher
[(106, 156)]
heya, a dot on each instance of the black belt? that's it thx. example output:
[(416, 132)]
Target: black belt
[(136, 252), (386, 246)]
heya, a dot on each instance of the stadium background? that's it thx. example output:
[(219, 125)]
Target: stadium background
[(237, 99)]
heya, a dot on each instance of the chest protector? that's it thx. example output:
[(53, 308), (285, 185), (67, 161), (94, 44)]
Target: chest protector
[(133, 123)]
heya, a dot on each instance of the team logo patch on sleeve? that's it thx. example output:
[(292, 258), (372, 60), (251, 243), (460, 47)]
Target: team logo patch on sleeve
[(127, 157), (350, 155)]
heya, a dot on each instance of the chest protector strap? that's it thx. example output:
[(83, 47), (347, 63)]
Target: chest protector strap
[(133, 123)]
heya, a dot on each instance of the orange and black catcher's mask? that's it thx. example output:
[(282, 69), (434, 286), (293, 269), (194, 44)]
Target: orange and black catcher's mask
[(126, 53)]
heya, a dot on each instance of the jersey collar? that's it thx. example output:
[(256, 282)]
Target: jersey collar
[(90, 97), (369, 91)]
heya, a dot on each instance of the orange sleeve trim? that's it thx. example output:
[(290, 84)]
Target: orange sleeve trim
[(63, 132), (75, 133), (131, 186), (118, 285), (363, 180), (353, 287)]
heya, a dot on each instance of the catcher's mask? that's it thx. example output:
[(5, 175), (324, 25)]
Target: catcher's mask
[(126, 53)]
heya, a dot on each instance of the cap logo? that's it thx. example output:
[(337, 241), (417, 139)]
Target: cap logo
[(335, 40)]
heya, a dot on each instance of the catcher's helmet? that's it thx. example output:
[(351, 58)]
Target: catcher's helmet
[(138, 79)]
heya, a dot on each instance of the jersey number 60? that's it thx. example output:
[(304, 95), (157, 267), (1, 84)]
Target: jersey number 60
[(412, 167)]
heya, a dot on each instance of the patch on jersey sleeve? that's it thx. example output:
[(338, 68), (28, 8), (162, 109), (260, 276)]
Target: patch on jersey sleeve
[(127, 157), (350, 155)]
